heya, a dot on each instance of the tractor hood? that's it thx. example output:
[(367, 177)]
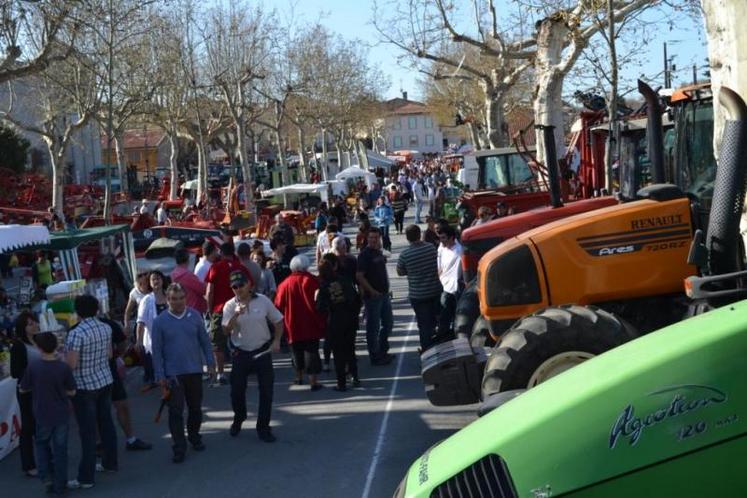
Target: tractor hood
[(663, 415), (510, 226)]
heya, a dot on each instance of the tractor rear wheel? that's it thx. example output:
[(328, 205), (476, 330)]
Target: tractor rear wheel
[(548, 342)]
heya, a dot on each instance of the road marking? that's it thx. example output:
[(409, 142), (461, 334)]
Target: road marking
[(385, 420)]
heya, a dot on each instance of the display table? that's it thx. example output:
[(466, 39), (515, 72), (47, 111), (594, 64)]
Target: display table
[(10, 417)]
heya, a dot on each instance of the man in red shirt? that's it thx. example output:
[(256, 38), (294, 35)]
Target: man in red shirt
[(218, 292), (194, 288)]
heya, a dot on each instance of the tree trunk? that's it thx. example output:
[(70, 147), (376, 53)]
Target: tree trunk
[(173, 170), (303, 172), (244, 159), (284, 173), (496, 120), (121, 163), (548, 101), (323, 162), (727, 53), (57, 158), (202, 166), (474, 136)]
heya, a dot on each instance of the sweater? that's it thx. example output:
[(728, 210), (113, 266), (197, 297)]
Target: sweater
[(180, 344)]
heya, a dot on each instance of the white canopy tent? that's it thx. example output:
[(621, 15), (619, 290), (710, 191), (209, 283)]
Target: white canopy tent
[(356, 172), (378, 161), (14, 237), (320, 189)]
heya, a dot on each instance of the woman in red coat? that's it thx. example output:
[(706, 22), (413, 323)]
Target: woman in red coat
[(304, 325)]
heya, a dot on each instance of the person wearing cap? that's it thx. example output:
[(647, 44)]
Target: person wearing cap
[(218, 293), (246, 319)]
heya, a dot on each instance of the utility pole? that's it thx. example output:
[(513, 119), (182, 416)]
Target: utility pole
[(666, 67)]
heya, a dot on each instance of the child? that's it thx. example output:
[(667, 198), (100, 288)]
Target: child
[(52, 383)]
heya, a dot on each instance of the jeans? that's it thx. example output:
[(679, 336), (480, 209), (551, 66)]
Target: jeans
[(448, 312), (94, 408), (427, 314), (186, 389), (148, 374), (379, 322), (419, 205), (243, 365), (399, 221), (51, 451), (26, 440), (341, 334)]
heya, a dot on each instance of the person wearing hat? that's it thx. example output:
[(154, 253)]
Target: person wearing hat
[(246, 319)]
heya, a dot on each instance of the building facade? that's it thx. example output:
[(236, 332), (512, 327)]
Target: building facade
[(408, 125)]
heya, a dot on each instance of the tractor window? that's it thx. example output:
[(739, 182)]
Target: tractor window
[(694, 151), (494, 172), (518, 169)]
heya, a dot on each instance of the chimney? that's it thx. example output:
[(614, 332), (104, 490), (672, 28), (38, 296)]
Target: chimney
[(404, 95)]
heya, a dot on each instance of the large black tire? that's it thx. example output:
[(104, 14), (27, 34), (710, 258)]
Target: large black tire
[(480, 337), (467, 310), (535, 339)]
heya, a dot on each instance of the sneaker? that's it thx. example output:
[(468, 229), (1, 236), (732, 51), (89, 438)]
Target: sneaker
[(266, 436), (75, 484), (177, 458), (31, 473), (101, 468), (138, 444)]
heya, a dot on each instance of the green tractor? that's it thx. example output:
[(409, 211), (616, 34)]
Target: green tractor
[(662, 415)]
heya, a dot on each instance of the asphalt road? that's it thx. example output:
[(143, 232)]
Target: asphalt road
[(330, 444)]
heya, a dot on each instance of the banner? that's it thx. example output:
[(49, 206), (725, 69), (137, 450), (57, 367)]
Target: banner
[(10, 417)]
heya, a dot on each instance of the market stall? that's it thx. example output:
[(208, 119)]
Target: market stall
[(354, 172), (12, 238)]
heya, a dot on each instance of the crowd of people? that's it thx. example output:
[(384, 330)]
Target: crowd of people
[(237, 306)]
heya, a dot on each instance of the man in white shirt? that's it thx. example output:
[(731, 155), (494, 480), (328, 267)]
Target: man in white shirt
[(450, 274), (162, 216), (245, 321), (323, 240), (209, 256)]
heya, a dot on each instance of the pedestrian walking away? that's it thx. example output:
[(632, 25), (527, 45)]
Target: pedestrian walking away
[(338, 299), (89, 347), (374, 286), (119, 393), (191, 283), (52, 384), (246, 319), (181, 348), (419, 263), (304, 325)]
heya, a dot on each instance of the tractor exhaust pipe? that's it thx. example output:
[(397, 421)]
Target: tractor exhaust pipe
[(548, 136), (729, 188), (654, 132)]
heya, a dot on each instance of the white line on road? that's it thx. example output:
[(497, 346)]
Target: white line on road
[(385, 420)]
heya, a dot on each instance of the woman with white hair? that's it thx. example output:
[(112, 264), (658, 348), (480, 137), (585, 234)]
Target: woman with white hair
[(347, 264), (304, 325)]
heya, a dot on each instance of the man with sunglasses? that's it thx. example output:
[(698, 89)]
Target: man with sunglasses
[(246, 319)]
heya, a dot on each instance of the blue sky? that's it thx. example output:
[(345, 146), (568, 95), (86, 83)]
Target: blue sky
[(352, 19)]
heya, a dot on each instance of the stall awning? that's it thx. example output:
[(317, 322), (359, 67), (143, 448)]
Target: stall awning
[(70, 239), (13, 237)]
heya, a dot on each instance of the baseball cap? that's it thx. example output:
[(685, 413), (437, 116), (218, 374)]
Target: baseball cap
[(238, 279)]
